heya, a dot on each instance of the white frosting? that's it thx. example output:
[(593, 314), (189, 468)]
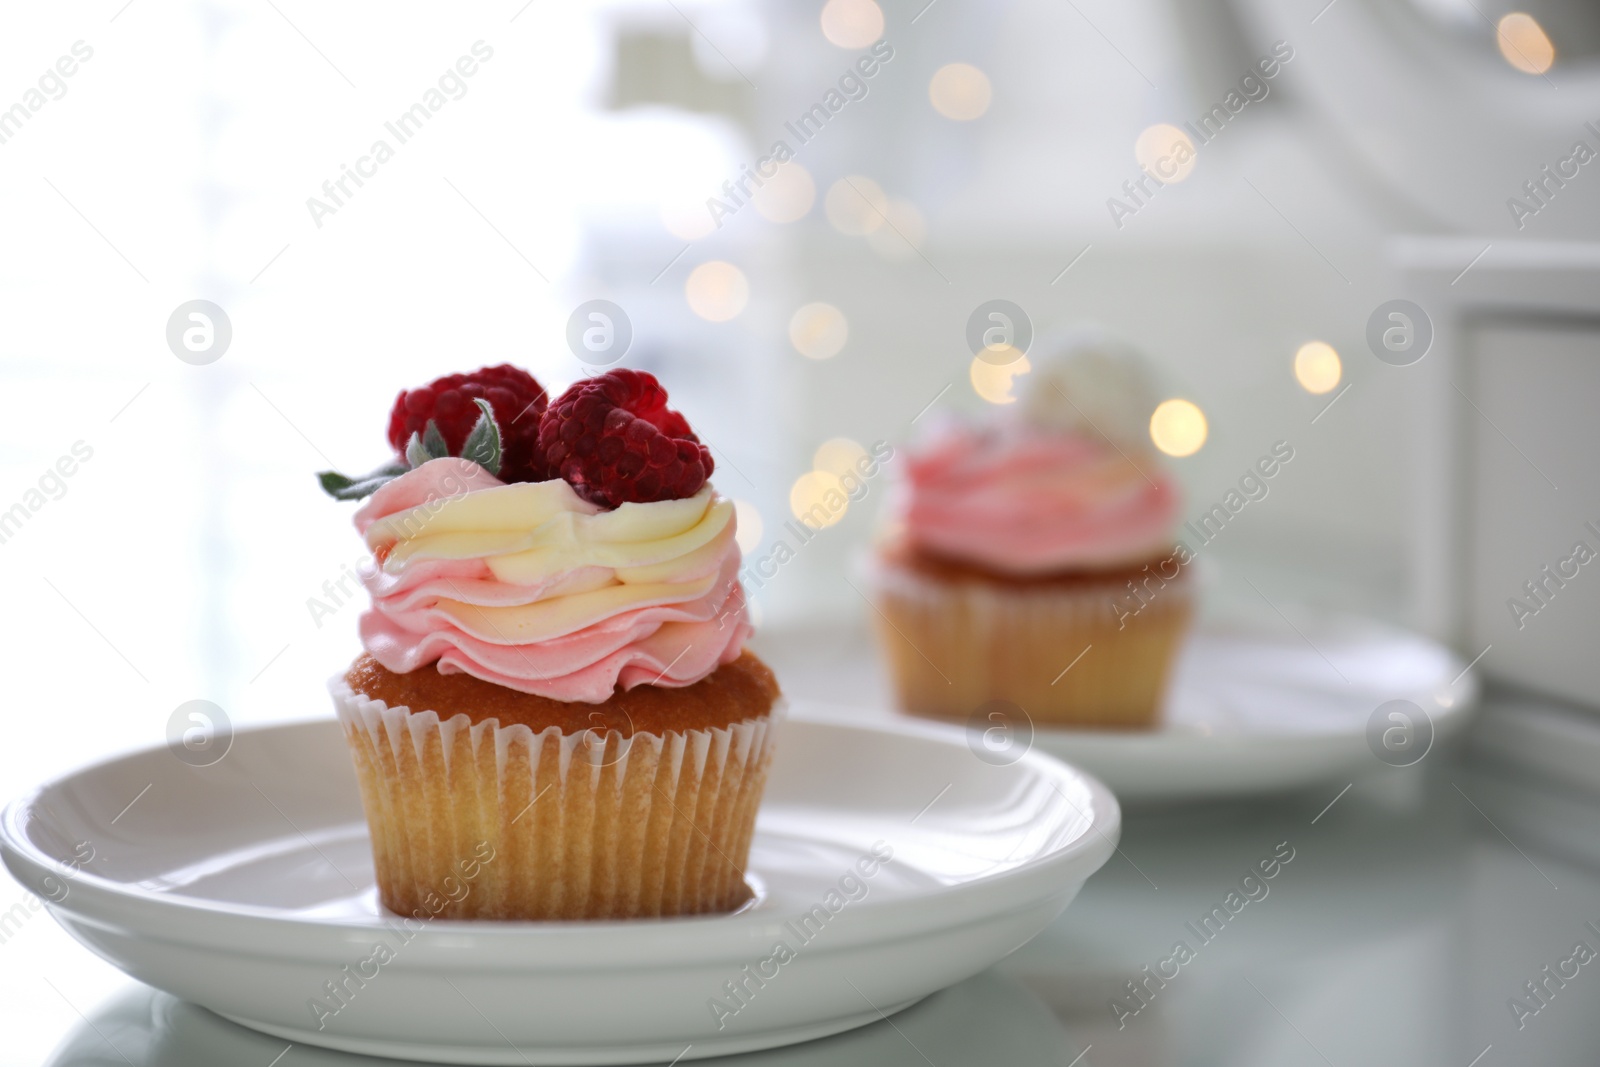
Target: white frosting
[(1094, 384)]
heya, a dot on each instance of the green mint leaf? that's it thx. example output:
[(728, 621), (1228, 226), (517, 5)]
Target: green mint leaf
[(433, 441), (360, 490), (483, 443), (333, 481), (343, 487), (416, 452)]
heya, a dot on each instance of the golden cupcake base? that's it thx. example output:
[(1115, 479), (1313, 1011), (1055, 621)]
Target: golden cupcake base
[(483, 820), (1080, 650)]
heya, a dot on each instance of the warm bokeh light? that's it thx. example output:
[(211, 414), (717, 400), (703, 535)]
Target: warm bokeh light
[(1524, 43), (687, 222), (747, 526), (1178, 427), (840, 456), (1165, 151), (817, 499), (856, 205), (852, 23), (717, 291), (993, 381), (787, 195), (1317, 367), (818, 331), (902, 233), (960, 91)]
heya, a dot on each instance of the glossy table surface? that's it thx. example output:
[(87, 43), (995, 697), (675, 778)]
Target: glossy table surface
[(1403, 923), (1411, 915)]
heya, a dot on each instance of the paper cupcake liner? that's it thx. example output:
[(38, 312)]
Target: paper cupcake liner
[(480, 821), (955, 644)]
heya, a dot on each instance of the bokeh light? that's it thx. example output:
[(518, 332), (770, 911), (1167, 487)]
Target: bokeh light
[(1524, 43), (748, 526), (856, 205), (902, 232), (852, 23), (687, 222), (1178, 427), (818, 499), (787, 195), (960, 91), (717, 291), (681, 203), (818, 331), (840, 456), (993, 380), (1317, 367), (1165, 151)]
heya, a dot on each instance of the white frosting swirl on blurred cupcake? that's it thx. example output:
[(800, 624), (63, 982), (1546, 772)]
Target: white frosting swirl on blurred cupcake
[(1091, 383)]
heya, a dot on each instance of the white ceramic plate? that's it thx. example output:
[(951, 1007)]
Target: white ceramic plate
[(1257, 706), (989, 1018), (246, 886)]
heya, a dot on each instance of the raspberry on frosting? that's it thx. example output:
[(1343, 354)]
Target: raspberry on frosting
[(518, 401), (615, 441), (549, 586)]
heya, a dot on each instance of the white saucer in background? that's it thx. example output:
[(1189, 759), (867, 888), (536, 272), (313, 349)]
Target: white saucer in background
[(1255, 707), (1258, 702), (246, 886)]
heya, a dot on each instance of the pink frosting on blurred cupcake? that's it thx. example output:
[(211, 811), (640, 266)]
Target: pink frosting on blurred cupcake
[(1031, 500)]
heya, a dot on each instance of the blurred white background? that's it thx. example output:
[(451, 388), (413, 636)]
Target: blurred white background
[(177, 562)]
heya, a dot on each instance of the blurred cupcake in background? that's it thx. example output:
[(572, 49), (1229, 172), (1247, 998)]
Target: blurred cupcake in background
[(1034, 558)]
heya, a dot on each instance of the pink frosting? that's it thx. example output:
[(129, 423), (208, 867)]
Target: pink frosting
[(1031, 501), (423, 609)]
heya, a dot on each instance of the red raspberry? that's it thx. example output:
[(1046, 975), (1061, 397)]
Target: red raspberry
[(518, 402), (615, 441)]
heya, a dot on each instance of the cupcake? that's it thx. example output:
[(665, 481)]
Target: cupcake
[(1034, 559), (554, 716)]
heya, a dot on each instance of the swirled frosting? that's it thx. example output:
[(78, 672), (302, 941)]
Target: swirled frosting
[(1027, 500), (531, 587), (1091, 383)]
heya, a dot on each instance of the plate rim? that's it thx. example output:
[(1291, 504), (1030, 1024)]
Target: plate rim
[(266, 932)]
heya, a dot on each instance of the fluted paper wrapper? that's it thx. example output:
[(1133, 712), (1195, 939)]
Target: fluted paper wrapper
[(481, 821), (953, 645)]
